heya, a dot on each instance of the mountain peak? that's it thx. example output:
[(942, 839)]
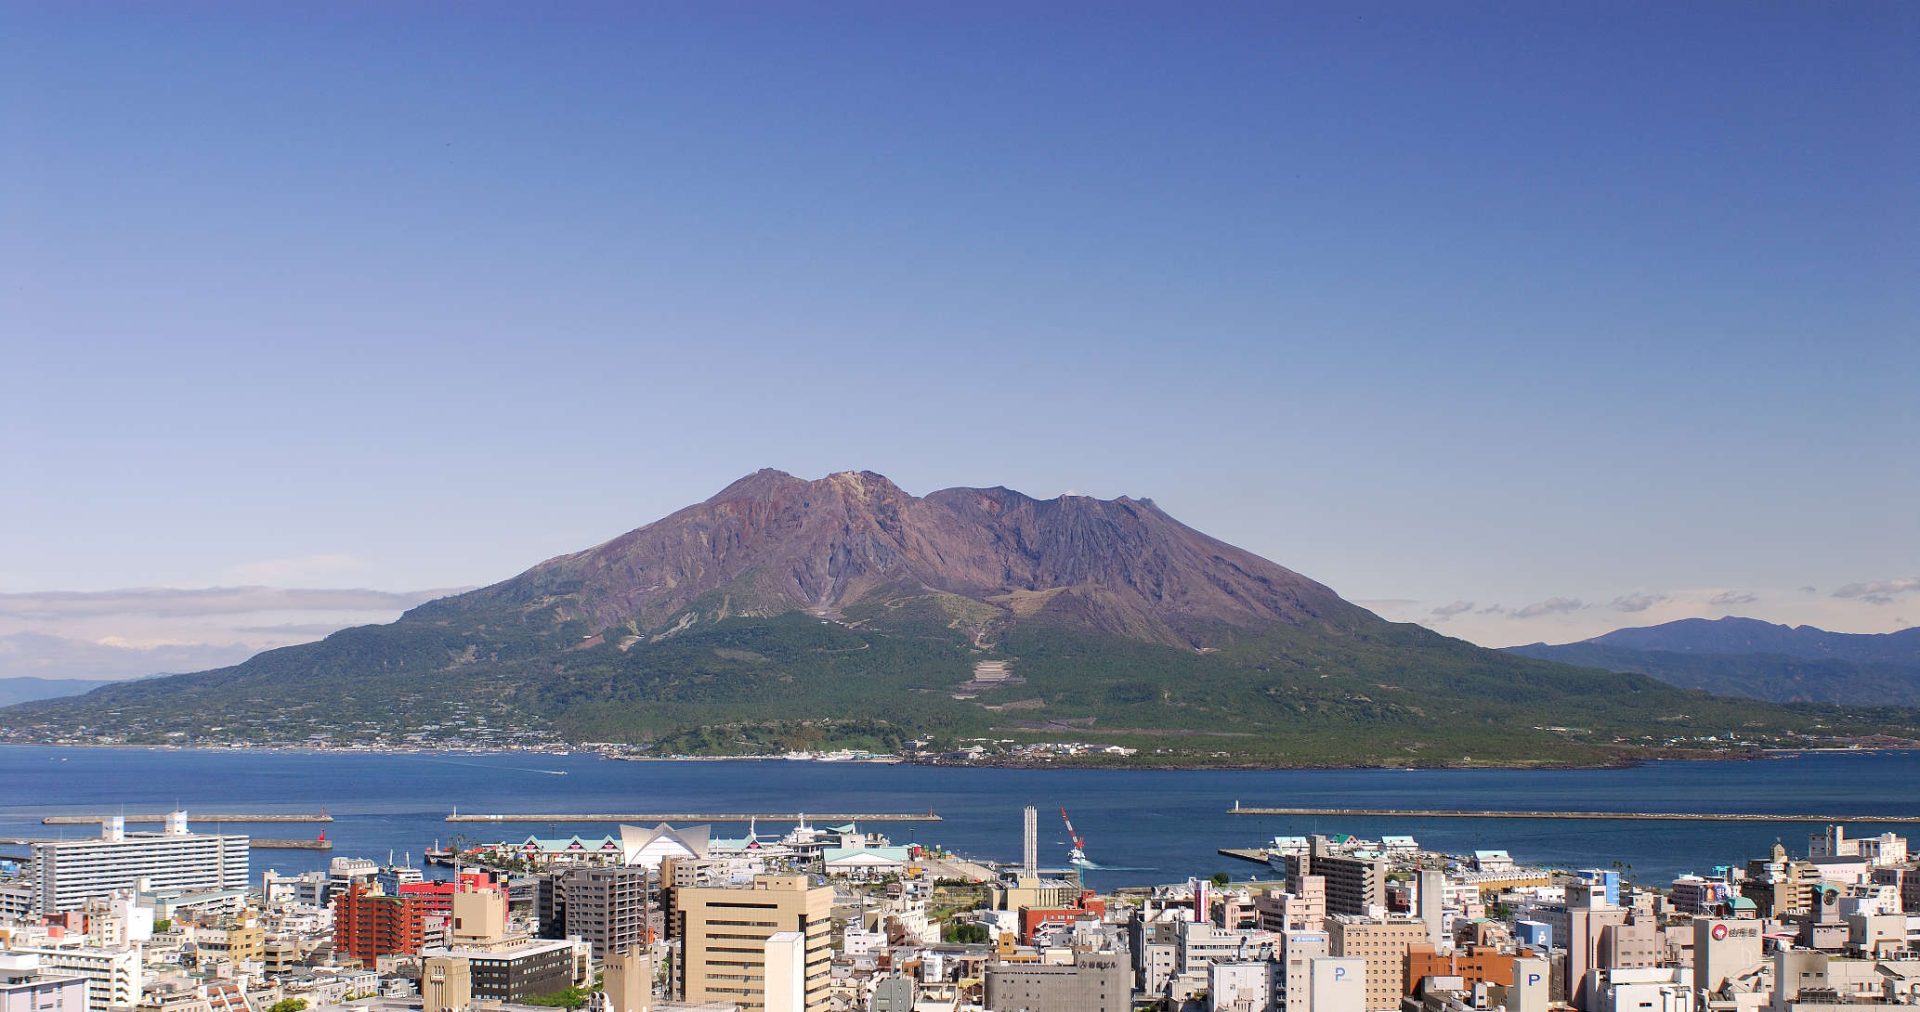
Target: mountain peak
[(771, 543), (758, 485)]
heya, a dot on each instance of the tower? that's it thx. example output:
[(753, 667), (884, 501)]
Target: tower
[(1030, 857)]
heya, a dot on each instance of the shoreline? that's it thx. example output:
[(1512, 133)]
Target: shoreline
[(1618, 762)]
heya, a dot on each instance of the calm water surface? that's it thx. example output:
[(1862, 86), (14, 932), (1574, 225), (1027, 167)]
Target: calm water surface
[(1148, 826)]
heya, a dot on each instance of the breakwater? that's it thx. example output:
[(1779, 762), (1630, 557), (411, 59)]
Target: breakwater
[(192, 817), (1468, 813), (697, 817)]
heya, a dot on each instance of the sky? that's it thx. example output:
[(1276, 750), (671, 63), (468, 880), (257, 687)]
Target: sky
[(1524, 321)]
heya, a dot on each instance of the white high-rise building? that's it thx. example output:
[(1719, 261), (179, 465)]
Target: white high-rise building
[(786, 972), (67, 872), (114, 976), (23, 988)]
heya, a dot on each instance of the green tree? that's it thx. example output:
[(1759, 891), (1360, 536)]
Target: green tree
[(288, 1005), (571, 998)]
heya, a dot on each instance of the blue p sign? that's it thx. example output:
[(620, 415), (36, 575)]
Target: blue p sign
[(1533, 979), (1339, 973)]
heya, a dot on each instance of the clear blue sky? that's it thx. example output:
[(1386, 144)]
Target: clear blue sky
[(1437, 303)]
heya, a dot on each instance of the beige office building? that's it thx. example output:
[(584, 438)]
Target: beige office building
[(723, 935), (1383, 945), (628, 981)]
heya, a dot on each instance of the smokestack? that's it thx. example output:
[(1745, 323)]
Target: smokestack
[(1030, 858)]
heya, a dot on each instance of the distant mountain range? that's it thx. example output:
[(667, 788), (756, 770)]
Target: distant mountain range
[(26, 688), (785, 613), (1759, 660)]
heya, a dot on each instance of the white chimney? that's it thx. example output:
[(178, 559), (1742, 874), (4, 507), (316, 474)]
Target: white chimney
[(1030, 850)]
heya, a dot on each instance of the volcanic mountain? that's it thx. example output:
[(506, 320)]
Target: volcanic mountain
[(784, 613), (771, 543)]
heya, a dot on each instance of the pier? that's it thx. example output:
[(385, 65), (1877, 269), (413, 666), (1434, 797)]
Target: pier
[(1254, 854), (1464, 813), (192, 817), (698, 817)]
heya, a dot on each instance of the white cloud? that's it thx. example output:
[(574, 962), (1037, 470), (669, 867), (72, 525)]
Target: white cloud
[(1732, 597), (1638, 601), (168, 601), (44, 656), (319, 568), (1550, 606), (1879, 591), (145, 630)]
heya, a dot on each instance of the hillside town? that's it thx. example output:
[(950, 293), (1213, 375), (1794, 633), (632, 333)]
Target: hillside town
[(839, 919)]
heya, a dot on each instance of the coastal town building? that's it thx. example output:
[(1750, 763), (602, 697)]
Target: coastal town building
[(723, 935), (69, 872), (24, 987)]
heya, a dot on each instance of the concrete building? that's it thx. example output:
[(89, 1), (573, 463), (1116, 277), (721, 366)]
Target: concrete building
[(785, 987), (1354, 884), (1338, 984), (66, 873), (1096, 983), (893, 993), (1240, 986), (1293, 975), (627, 981), (115, 977), (446, 984), (1724, 950), (1532, 986), (607, 906), (1304, 909), (723, 935), (1885, 850), (25, 988), (1383, 945), (479, 920), (1478, 964), (1430, 905), (1639, 989), (368, 925), (519, 972)]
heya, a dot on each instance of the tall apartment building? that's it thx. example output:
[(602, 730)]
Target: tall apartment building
[(1383, 945), (67, 872), (723, 934), (1353, 884), (606, 906), (368, 925)]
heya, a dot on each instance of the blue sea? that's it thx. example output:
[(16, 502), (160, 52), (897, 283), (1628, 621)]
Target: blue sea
[(1146, 826)]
